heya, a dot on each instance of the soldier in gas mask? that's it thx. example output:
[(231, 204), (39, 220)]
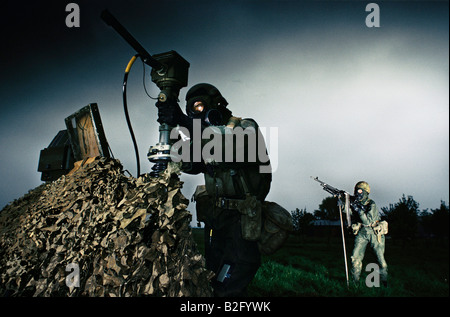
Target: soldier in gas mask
[(230, 201), (369, 230)]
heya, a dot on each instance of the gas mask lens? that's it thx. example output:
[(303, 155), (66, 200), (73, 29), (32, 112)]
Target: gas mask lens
[(198, 107)]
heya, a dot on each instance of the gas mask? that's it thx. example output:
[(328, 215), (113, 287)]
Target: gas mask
[(361, 195), (205, 102)]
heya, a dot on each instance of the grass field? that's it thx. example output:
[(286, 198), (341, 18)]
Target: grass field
[(308, 266)]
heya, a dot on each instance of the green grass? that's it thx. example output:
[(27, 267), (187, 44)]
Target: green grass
[(315, 267)]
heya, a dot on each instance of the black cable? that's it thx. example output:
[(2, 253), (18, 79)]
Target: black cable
[(125, 108)]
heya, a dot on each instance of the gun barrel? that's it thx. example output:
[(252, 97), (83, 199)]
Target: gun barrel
[(328, 188), (110, 20)]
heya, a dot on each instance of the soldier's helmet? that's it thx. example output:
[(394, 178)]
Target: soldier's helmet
[(204, 101), (363, 185)]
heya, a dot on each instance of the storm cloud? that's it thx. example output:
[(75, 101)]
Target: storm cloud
[(349, 102)]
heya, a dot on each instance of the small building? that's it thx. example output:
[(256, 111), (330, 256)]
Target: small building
[(326, 223), (325, 228)]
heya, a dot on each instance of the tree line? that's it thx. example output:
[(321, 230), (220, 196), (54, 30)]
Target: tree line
[(405, 219)]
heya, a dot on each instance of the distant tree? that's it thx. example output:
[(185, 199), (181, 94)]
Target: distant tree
[(328, 209), (425, 220), (301, 219), (296, 216), (439, 221), (402, 217)]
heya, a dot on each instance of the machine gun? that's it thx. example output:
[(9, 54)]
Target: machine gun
[(339, 194), (328, 188), (170, 74)]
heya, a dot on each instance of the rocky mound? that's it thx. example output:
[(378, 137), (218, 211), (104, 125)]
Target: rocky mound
[(97, 232)]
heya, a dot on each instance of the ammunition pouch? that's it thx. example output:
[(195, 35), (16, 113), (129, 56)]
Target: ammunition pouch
[(380, 229), (277, 224), (202, 202), (356, 227), (265, 222), (251, 216)]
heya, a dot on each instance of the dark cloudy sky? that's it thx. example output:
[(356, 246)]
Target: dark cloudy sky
[(348, 102)]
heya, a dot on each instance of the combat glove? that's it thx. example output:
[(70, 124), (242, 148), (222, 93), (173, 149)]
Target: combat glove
[(170, 112)]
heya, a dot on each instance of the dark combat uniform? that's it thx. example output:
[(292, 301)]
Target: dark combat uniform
[(236, 183)]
